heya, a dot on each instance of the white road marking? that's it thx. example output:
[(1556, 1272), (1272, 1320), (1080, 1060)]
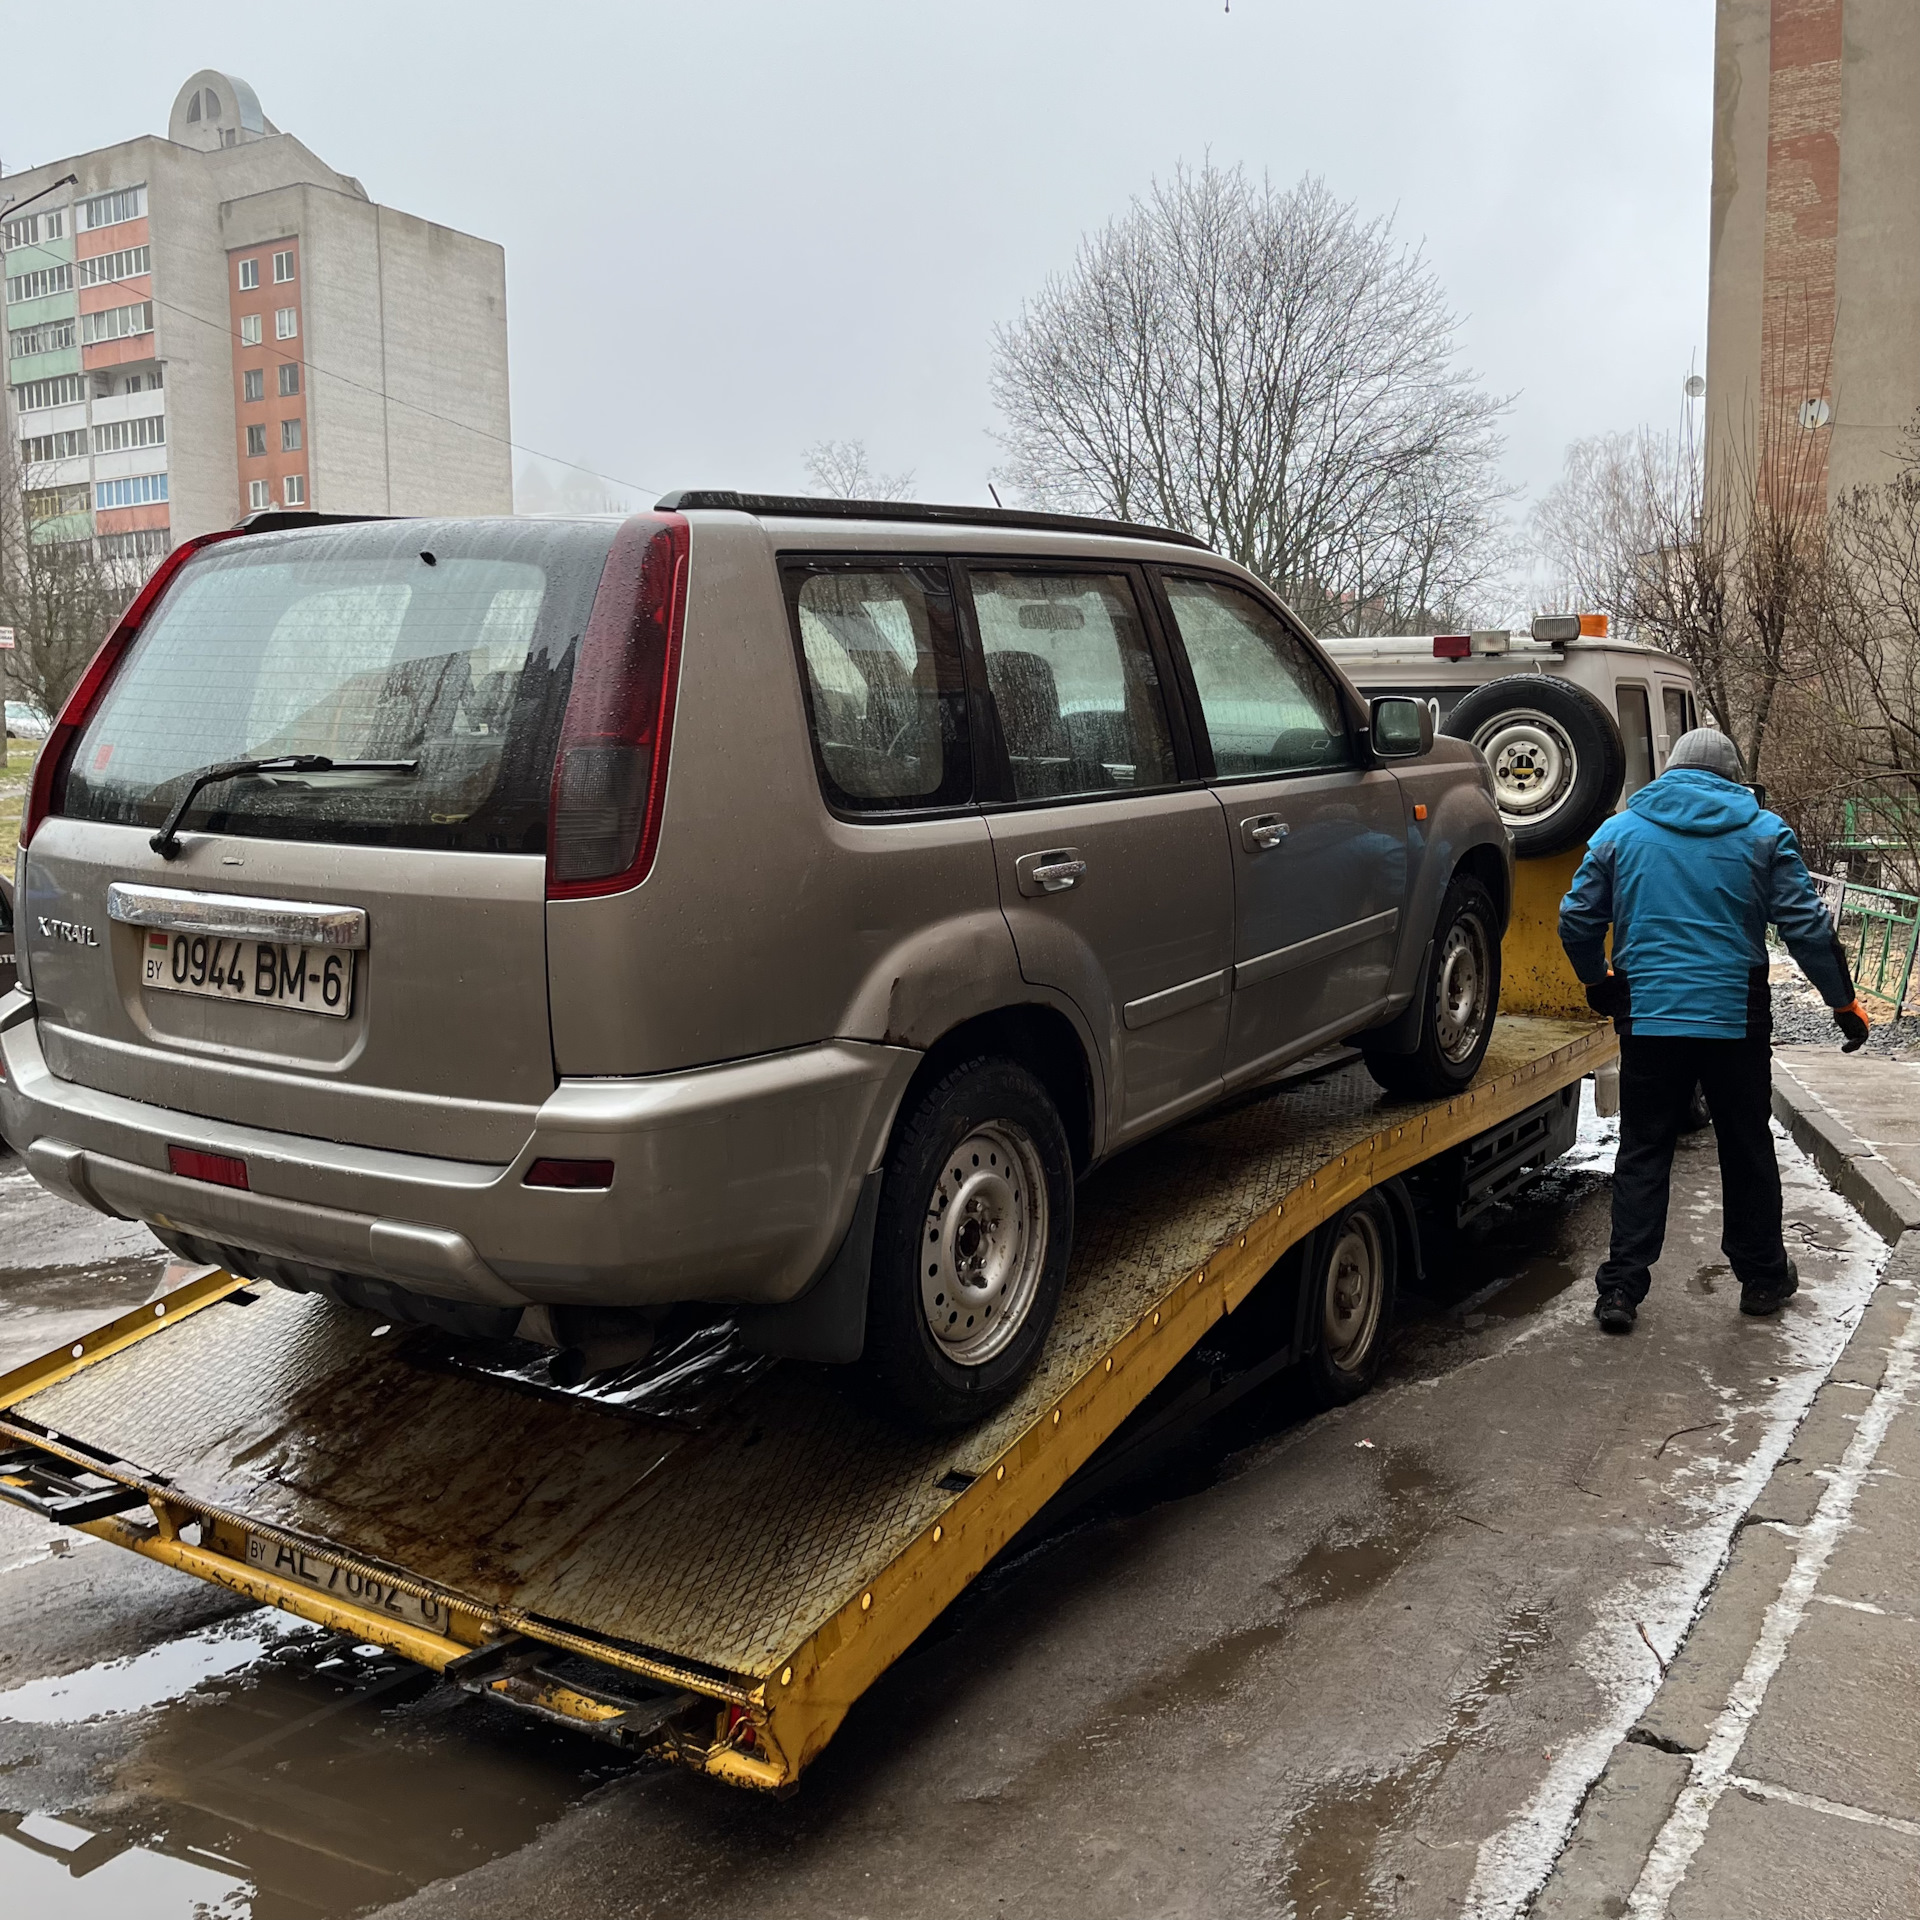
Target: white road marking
[(1840, 1809)]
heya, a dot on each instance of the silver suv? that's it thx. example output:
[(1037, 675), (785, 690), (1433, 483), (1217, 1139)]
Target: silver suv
[(529, 927)]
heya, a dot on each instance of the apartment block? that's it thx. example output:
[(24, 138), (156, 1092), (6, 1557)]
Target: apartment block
[(205, 325), (1813, 324)]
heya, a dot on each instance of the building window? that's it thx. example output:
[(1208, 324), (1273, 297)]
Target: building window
[(42, 448), (67, 390), (289, 379), (31, 228), (253, 384), (258, 495), (290, 441), (117, 323), (143, 543), (41, 282), (116, 436), (142, 490), (249, 275), (109, 209), (282, 268), (256, 443), (296, 490), (249, 329), (286, 323), (127, 264), (53, 503), (54, 337)]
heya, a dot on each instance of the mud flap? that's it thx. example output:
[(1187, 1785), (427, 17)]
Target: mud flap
[(1401, 1034), (829, 1321)]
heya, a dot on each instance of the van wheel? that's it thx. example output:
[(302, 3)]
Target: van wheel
[(970, 1245), (1558, 764), (1352, 1280), (1458, 997)]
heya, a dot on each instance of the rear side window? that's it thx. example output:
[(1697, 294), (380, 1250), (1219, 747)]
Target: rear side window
[(1269, 705), (447, 643), (1636, 735), (1673, 701), (886, 695), (1073, 682)]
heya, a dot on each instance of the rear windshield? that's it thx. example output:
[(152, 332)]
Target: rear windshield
[(446, 643)]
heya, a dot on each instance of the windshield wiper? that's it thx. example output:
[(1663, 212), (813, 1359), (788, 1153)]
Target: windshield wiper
[(166, 843)]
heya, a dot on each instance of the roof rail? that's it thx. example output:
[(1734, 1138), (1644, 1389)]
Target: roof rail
[(789, 506)]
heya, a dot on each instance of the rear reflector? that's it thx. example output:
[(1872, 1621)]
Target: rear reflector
[(610, 774), (577, 1175), (216, 1169), (1452, 646)]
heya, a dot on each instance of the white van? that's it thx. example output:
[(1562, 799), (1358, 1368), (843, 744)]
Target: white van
[(1571, 721)]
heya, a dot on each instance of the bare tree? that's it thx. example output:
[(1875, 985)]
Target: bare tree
[(1269, 371), (839, 469)]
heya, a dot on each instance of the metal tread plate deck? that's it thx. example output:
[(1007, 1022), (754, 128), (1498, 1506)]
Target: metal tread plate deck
[(792, 1523)]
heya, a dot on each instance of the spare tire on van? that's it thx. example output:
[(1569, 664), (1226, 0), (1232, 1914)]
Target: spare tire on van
[(1557, 759)]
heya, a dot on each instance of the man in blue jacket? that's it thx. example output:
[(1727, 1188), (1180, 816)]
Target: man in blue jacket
[(1689, 877)]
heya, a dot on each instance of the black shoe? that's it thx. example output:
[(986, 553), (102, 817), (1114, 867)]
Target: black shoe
[(1764, 1300), (1615, 1311)]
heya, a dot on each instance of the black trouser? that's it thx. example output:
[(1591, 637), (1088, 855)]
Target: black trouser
[(1657, 1079)]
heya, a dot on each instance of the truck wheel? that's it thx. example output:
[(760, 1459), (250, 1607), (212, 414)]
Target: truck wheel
[(1458, 996), (1556, 757), (1352, 1277), (970, 1245)]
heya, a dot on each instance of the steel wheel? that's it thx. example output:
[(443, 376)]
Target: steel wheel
[(985, 1242), (1355, 1291), (1535, 765), (1461, 976)]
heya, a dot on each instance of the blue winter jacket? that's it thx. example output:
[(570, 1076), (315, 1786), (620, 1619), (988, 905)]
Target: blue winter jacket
[(1689, 876)]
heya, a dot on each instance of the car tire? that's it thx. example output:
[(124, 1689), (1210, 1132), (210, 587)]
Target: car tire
[(1352, 1278), (1458, 996), (1556, 755), (975, 1220)]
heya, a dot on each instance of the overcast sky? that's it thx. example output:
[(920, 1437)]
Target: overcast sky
[(738, 227)]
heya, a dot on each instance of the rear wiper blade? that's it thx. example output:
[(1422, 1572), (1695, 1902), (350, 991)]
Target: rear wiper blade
[(166, 843)]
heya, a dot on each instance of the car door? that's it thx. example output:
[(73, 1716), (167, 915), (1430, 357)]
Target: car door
[(1316, 835), (1112, 873)]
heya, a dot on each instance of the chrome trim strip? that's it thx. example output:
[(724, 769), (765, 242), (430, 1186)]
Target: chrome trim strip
[(237, 916), (1163, 1006), (1264, 966)]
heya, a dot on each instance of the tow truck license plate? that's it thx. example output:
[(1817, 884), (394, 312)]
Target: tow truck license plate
[(307, 979), (364, 1590)]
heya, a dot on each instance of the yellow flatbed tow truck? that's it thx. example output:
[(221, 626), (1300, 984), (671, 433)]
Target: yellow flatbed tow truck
[(715, 1568)]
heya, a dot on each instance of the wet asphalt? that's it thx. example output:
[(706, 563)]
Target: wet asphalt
[(1359, 1663)]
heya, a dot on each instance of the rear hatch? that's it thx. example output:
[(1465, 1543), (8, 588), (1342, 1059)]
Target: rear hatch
[(356, 953)]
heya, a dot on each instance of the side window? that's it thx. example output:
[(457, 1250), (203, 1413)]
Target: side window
[(1073, 683), (1269, 705), (1673, 703), (885, 691), (1636, 734)]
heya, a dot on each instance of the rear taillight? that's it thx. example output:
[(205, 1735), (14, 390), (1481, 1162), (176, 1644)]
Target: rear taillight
[(50, 770), (610, 775), (1452, 646), (216, 1169)]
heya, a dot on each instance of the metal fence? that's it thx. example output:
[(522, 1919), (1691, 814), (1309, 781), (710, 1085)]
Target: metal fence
[(1880, 930)]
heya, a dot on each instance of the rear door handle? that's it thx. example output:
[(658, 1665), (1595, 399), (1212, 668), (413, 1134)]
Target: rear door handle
[(1260, 832), (1055, 871)]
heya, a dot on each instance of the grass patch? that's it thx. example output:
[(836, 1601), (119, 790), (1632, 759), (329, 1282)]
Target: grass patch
[(21, 755)]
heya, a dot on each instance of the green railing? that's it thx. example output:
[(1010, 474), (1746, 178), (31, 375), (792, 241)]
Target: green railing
[(1880, 930)]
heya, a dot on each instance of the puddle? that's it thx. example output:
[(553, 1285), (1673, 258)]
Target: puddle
[(282, 1773)]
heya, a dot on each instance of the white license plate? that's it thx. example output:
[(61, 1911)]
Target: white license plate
[(308, 979), (365, 1590)]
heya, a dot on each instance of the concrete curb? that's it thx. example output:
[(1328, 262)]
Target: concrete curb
[(1864, 1180), (1626, 1807)]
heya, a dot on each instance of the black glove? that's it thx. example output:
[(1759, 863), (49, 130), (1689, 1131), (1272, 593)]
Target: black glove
[(1853, 1022), (1611, 997)]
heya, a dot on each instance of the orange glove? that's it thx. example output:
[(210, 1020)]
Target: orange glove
[(1853, 1022)]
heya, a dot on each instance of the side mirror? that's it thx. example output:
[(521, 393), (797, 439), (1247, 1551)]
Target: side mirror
[(1402, 727)]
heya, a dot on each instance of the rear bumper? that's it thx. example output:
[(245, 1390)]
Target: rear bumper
[(733, 1182)]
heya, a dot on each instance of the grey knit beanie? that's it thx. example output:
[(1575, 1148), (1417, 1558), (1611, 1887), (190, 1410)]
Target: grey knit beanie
[(1709, 750)]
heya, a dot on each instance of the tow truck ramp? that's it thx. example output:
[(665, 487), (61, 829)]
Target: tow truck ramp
[(714, 1573)]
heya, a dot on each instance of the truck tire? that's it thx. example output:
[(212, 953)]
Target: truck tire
[(1556, 756), (1352, 1278), (1458, 996), (970, 1245)]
